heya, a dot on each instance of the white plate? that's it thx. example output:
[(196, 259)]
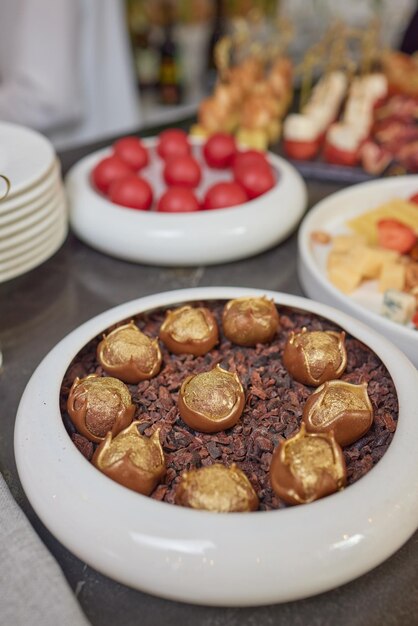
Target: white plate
[(25, 238), (25, 203), (37, 254), (331, 215), (50, 225), (36, 216), (25, 156), (203, 237), (25, 255), (200, 557)]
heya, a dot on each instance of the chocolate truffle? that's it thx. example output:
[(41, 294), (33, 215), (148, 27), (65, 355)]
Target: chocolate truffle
[(306, 467), (216, 488), (312, 357), (211, 401), (248, 321), (341, 407), (189, 330), (132, 460), (129, 354), (97, 405)]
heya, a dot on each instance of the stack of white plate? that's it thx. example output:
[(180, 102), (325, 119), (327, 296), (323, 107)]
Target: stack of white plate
[(33, 216)]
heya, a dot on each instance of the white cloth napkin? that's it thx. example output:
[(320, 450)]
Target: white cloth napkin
[(33, 590)]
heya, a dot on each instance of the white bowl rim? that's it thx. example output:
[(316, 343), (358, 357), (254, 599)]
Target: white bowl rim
[(188, 555), (184, 239), (305, 230)]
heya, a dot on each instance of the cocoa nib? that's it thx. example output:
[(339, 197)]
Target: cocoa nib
[(273, 408), (84, 445)]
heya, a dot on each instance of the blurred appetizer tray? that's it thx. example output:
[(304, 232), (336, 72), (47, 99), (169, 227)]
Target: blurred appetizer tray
[(352, 130), (331, 216), (201, 557), (322, 171), (201, 237)]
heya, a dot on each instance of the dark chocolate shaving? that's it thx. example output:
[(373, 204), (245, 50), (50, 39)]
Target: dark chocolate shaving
[(273, 410)]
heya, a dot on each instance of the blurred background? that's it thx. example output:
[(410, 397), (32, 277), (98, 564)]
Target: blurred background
[(82, 70), (173, 41)]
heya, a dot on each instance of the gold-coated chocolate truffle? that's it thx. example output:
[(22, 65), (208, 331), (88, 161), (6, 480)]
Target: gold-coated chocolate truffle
[(129, 354), (132, 460), (97, 405), (189, 330), (312, 357), (216, 488), (211, 401), (341, 407), (248, 321), (306, 467)]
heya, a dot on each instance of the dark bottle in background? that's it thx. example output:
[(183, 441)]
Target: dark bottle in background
[(169, 72), (218, 30), (145, 53), (146, 59)]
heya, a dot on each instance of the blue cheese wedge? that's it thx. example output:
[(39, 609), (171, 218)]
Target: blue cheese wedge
[(398, 306)]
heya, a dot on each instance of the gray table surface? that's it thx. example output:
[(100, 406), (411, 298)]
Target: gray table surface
[(41, 307)]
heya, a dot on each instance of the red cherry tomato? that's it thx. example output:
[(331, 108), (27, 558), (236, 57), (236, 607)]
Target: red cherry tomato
[(301, 150), (415, 320), (256, 179), (414, 198), (132, 191), (248, 157), (395, 235), (178, 200), (223, 195), (183, 171), (219, 150), (107, 171), (172, 143), (132, 151)]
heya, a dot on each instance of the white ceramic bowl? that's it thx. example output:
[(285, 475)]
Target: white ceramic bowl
[(331, 215), (199, 238), (200, 557)]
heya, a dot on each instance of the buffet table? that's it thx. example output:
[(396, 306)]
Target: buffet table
[(40, 308)]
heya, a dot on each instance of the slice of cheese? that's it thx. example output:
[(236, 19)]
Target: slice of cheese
[(392, 276), (397, 209), (365, 260), (371, 260), (344, 243), (344, 276)]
